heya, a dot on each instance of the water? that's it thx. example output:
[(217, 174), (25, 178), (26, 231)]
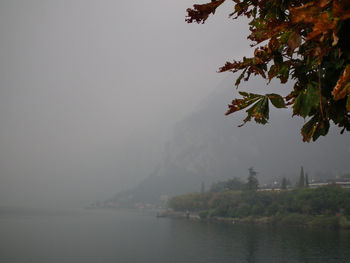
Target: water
[(39, 236)]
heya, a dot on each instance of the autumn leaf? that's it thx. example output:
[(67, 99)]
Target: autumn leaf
[(320, 69), (322, 24), (341, 9), (308, 130), (200, 13), (305, 13), (314, 128), (294, 41), (342, 88), (335, 39)]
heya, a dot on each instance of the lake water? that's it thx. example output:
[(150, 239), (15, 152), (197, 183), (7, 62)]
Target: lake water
[(103, 236)]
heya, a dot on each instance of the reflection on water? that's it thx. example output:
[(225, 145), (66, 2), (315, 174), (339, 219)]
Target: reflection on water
[(42, 236)]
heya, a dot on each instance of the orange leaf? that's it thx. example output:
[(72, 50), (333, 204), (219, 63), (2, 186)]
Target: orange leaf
[(342, 88), (294, 41), (305, 13), (341, 9), (200, 13), (322, 24)]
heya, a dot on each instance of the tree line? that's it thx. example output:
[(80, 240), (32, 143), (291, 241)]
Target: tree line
[(328, 205), (328, 200)]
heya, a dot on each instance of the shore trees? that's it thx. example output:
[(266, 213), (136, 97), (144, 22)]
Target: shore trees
[(329, 201)]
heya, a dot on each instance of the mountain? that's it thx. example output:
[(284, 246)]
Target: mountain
[(207, 146)]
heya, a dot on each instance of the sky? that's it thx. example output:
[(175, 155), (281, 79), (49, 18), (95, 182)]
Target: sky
[(90, 91)]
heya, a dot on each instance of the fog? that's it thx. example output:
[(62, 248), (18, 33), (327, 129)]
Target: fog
[(91, 92)]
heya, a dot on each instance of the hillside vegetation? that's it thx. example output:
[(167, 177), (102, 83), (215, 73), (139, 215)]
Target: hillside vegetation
[(325, 206)]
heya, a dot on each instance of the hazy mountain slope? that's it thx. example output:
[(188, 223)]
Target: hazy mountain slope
[(208, 146), (208, 143)]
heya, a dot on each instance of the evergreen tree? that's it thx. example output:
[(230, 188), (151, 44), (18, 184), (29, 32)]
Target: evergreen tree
[(301, 183), (252, 180), (306, 180)]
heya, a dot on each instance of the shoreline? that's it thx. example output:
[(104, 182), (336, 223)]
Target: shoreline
[(293, 220)]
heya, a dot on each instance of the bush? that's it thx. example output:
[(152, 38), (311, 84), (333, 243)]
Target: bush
[(294, 220), (203, 214), (325, 222), (344, 222), (257, 210), (243, 211)]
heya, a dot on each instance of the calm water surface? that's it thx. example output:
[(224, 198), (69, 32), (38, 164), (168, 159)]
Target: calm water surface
[(39, 236)]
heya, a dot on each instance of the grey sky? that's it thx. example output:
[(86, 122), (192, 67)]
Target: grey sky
[(90, 91)]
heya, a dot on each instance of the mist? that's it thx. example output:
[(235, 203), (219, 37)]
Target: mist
[(92, 92)]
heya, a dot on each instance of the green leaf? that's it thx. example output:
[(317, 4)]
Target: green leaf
[(250, 95), (283, 73), (239, 104), (284, 37), (260, 108), (322, 129), (276, 100), (260, 111), (272, 72), (277, 58), (306, 100)]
